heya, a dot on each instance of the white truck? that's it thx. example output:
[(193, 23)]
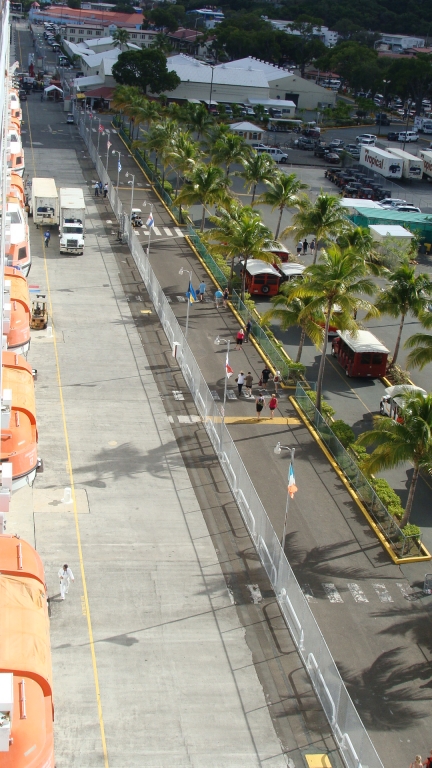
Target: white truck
[(44, 202), (426, 156), (381, 162), (72, 220), (412, 165), (423, 124)]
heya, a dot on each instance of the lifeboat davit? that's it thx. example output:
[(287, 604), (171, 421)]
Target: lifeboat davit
[(25, 659), (18, 335), (19, 439)]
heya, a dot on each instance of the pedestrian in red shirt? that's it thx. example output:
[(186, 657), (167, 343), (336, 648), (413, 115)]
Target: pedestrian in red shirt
[(273, 404)]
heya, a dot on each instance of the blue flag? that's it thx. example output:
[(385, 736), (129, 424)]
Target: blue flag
[(190, 293), (119, 166)]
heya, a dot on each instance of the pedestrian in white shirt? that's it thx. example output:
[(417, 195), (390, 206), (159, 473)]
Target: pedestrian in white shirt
[(240, 381), (66, 576)]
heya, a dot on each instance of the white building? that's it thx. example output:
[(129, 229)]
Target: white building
[(248, 131), (207, 17), (398, 43), (226, 84), (326, 35), (91, 33)]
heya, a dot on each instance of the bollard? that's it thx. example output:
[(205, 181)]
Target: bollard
[(49, 331), (67, 497)]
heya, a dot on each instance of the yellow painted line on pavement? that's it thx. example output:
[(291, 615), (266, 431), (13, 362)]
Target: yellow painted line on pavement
[(72, 483), (255, 420)]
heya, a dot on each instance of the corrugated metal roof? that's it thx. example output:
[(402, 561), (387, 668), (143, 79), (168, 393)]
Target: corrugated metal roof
[(189, 69), (272, 71), (396, 217), (364, 341), (245, 126)]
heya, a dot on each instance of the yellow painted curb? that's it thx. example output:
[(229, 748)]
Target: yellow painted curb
[(355, 497)]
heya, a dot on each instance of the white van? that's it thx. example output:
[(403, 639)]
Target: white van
[(276, 153)]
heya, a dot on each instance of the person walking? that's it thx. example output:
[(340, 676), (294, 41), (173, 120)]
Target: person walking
[(239, 338), (47, 237), (240, 381), (96, 188), (305, 246), (418, 762), (299, 247), (248, 329), (66, 576), (105, 190), (273, 404), (259, 405), (312, 245), (225, 298), (276, 381), (100, 187), (218, 298), (428, 762), (202, 290), (265, 375), (248, 385)]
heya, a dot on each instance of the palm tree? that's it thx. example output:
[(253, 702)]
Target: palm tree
[(230, 149), (409, 439), (199, 119), (147, 112), (421, 344), (184, 154), (407, 293), (337, 281), (256, 169), (282, 193), (121, 36), (228, 212), (161, 42), (245, 236), (360, 241), (325, 218), (206, 185), (159, 139), (297, 311), (123, 96)]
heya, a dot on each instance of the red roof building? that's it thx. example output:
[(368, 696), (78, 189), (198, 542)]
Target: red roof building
[(59, 14)]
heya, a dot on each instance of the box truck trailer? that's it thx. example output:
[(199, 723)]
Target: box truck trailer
[(426, 156), (423, 124), (412, 166), (72, 220), (381, 162), (44, 202)]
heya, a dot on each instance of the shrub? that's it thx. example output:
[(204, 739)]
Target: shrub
[(343, 432), (327, 410), (359, 450), (388, 496), (411, 530)]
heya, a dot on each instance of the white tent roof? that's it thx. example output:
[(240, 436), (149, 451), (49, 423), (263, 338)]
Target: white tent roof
[(364, 341), (357, 203), (245, 126), (258, 267), (390, 230), (291, 269), (52, 88), (86, 82)]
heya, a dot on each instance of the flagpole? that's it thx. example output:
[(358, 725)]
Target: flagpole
[(218, 340), (278, 450), (99, 133), (181, 272)]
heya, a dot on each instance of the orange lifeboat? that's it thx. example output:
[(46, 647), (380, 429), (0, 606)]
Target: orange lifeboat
[(18, 249), (19, 439), (14, 104), (18, 335), (16, 192), (25, 658)]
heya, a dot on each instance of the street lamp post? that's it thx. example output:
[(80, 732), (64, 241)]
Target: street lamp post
[(278, 450), (182, 272), (149, 229), (133, 187), (218, 340), (117, 152), (386, 82), (407, 122), (108, 146), (211, 86), (99, 133)]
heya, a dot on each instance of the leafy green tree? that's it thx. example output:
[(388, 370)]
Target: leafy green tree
[(230, 149), (302, 49), (406, 294), (121, 36), (281, 193), (145, 69), (420, 344), (359, 241), (199, 119), (74, 4), (406, 440), (325, 218), (337, 282), (123, 96), (244, 235), (256, 169), (206, 185), (412, 78), (297, 312), (161, 42)]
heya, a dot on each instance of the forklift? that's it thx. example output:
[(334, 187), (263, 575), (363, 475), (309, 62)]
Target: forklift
[(39, 314)]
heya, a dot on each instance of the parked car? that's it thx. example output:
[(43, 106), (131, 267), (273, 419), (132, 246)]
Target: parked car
[(393, 136), (391, 202), (408, 136), (259, 146), (366, 138), (277, 154), (336, 144), (23, 94), (333, 158), (321, 151), (407, 208), (304, 143), (70, 119), (382, 119)]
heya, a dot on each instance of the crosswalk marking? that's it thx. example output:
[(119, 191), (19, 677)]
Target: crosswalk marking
[(332, 593), (406, 590), (168, 232), (383, 593), (178, 232), (156, 231), (357, 593)]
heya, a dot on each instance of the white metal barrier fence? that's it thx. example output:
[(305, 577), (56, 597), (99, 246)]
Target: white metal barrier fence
[(350, 734)]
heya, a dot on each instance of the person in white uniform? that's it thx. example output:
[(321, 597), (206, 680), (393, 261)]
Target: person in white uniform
[(66, 576)]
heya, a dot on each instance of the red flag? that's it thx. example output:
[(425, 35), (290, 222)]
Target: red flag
[(101, 128), (229, 370)]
